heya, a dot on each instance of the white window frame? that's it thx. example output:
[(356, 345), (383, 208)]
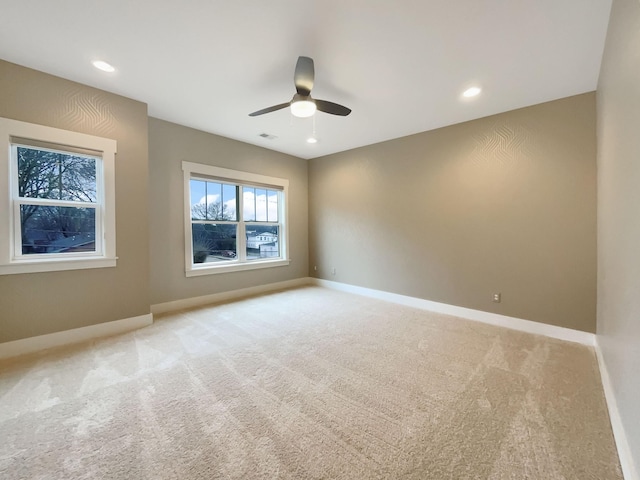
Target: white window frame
[(236, 177), (12, 261)]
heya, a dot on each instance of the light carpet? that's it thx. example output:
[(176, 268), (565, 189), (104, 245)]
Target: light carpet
[(308, 383)]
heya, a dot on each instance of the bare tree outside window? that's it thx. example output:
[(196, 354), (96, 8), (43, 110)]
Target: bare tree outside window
[(212, 211), (58, 177)]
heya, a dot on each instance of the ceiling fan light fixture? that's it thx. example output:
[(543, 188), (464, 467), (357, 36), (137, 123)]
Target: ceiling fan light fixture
[(303, 108)]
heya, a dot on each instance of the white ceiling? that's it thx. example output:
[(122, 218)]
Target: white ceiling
[(399, 65)]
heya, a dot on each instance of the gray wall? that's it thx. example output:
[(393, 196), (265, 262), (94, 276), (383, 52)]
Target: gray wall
[(502, 204), (619, 213), (40, 303), (169, 145)]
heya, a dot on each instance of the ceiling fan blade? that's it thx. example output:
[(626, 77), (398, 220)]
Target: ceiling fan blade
[(303, 76), (332, 108), (270, 109)]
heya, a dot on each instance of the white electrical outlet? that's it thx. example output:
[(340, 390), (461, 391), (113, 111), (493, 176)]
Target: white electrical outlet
[(333, 271), (497, 297)]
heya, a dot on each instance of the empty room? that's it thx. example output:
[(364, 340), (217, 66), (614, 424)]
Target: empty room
[(320, 240)]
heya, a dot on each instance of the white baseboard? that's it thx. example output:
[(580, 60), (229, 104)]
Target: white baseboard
[(624, 450), (226, 296), (76, 335), (42, 342), (513, 323)]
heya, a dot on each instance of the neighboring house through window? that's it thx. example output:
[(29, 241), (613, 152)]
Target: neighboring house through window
[(59, 210), (233, 220)]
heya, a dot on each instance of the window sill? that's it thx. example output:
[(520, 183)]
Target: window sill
[(39, 266), (235, 267)]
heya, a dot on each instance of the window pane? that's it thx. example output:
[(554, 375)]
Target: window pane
[(214, 201), (262, 241), (272, 206), (57, 229), (230, 201), (55, 175), (213, 243), (261, 205), (198, 199), (249, 201)]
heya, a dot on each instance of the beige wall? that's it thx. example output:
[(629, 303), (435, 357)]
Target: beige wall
[(502, 204), (169, 145), (619, 214), (36, 304)]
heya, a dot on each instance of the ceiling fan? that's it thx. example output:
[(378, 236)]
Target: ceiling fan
[(302, 105)]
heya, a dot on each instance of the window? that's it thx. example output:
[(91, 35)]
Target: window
[(233, 220), (59, 213)]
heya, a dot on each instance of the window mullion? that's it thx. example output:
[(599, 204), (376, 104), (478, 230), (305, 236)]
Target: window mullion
[(241, 240), (17, 231), (48, 202), (283, 237), (241, 243), (214, 222), (206, 200)]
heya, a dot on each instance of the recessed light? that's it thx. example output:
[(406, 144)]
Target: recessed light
[(312, 140), (104, 66), (471, 92)]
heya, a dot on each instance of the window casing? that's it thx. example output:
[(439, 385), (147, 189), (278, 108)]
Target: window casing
[(233, 220), (58, 212)]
